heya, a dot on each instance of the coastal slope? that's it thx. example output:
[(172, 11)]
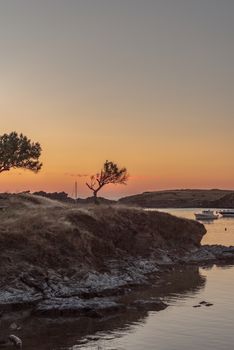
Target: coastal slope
[(188, 198), (36, 231), (60, 259)]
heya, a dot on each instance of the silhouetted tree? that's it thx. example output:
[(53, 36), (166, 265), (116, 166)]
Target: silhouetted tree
[(17, 151), (110, 174)]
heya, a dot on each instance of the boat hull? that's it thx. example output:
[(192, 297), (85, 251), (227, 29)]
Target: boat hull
[(227, 215), (206, 217)]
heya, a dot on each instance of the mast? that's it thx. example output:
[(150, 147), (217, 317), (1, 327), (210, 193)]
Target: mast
[(76, 190)]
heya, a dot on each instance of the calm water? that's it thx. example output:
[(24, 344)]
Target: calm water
[(216, 233), (179, 327)]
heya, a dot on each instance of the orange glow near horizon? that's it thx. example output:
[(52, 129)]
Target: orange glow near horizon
[(156, 156), (20, 180), (132, 82)]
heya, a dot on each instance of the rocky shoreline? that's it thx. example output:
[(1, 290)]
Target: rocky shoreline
[(97, 294), (61, 260)]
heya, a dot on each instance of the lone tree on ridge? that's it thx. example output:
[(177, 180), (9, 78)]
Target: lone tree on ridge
[(17, 151), (110, 174)]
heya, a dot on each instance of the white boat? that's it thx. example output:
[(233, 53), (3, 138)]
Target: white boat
[(207, 215), (227, 213)]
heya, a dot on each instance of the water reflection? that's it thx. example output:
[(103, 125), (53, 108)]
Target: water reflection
[(86, 333)]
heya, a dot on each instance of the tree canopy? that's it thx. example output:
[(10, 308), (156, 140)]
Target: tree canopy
[(17, 151), (110, 174)]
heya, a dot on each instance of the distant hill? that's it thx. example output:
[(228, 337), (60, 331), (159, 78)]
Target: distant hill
[(226, 201), (188, 198)]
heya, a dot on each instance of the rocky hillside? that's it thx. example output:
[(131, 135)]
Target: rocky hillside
[(61, 259), (64, 259), (36, 231), (182, 199)]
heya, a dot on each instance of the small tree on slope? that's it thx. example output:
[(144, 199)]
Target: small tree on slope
[(110, 174)]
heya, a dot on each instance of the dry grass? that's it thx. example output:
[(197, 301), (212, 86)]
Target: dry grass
[(44, 233)]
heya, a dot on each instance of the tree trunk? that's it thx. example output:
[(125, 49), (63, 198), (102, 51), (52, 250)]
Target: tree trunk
[(95, 197)]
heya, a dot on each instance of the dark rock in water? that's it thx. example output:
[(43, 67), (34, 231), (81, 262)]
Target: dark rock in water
[(154, 304), (205, 303)]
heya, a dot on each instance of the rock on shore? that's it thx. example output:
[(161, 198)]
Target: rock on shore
[(210, 253)]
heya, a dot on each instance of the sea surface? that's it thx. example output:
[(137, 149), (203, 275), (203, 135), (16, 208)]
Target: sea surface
[(219, 231), (181, 326)]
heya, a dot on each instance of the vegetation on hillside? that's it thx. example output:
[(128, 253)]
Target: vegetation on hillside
[(17, 151), (37, 231), (110, 174)]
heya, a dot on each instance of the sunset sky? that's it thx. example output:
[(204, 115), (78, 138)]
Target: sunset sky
[(148, 84)]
